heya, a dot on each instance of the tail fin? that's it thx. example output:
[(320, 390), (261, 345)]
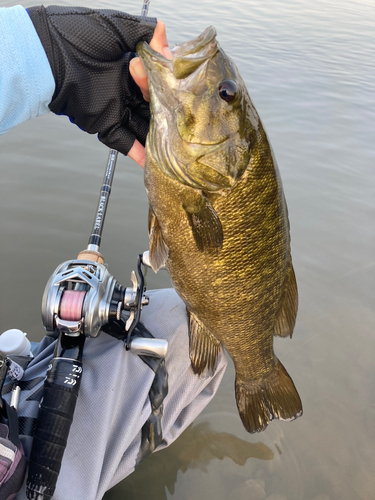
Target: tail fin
[(259, 402)]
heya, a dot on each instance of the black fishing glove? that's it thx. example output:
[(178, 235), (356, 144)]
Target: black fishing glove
[(89, 52)]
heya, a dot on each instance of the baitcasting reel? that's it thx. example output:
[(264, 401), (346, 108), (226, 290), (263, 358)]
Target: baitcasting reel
[(82, 296)]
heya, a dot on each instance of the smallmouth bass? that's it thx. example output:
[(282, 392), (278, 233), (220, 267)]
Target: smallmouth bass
[(218, 220)]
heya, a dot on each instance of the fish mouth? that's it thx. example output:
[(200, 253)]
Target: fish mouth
[(187, 57), (150, 57)]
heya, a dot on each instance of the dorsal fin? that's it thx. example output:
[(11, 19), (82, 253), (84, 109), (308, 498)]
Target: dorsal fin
[(286, 316)]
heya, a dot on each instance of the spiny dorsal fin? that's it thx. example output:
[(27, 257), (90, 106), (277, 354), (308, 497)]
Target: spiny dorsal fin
[(286, 316), (205, 224), (157, 246), (204, 347)]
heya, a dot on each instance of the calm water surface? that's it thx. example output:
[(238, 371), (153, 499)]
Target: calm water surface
[(309, 68)]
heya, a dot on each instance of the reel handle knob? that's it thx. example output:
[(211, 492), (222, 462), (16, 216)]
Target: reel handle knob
[(156, 348)]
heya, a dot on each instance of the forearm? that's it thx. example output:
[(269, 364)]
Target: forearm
[(26, 80)]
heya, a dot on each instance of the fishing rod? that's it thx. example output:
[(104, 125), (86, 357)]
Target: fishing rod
[(80, 298)]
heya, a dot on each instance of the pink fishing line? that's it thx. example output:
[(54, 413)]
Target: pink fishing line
[(71, 305)]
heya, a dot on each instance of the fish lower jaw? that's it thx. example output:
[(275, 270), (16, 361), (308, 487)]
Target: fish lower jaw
[(191, 141)]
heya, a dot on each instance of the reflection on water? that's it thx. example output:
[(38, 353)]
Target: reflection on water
[(309, 67), (195, 449), (208, 463), (203, 444)]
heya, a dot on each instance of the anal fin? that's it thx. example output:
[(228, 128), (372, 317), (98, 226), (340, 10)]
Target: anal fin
[(204, 347), (287, 313), (158, 248)]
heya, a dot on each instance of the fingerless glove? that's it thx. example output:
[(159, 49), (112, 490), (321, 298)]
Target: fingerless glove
[(89, 52)]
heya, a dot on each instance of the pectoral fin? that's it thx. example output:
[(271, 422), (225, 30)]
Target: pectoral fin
[(205, 224), (204, 347), (157, 246), (286, 316)]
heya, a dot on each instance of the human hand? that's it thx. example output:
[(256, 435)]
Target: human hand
[(160, 44), (89, 52)]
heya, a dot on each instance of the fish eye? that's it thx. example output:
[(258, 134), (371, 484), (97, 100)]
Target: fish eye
[(228, 90)]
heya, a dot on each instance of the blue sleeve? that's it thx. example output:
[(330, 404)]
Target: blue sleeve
[(26, 81)]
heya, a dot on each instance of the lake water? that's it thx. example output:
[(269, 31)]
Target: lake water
[(309, 67)]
